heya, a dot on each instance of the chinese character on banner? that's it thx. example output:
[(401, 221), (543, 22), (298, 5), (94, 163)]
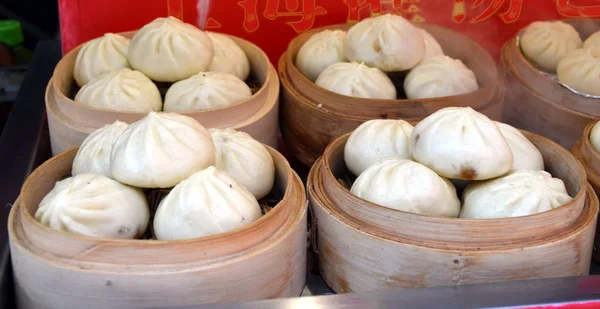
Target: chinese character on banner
[(489, 8), (306, 10), (360, 9), (568, 9)]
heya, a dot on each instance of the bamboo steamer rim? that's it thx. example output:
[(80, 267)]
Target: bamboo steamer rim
[(459, 228), (272, 91), (242, 43), (279, 213), (320, 199), (286, 83), (512, 56), (589, 155), (288, 70)]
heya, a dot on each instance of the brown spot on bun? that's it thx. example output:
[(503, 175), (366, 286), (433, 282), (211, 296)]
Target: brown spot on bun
[(377, 47), (467, 172)]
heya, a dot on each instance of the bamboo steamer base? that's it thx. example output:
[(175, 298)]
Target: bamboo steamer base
[(354, 261), (364, 247), (590, 159), (57, 270), (529, 111), (71, 122)]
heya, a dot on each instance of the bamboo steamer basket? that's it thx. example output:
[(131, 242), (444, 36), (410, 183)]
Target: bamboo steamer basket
[(590, 159), (312, 117), (70, 122), (536, 103), (59, 270), (365, 247)]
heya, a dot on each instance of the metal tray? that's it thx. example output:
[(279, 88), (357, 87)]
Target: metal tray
[(25, 144)]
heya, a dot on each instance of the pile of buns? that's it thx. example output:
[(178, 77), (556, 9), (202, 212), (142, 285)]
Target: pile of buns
[(216, 178), (556, 47), (355, 63), (207, 70), (415, 169)]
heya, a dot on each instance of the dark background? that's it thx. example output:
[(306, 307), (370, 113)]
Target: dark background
[(39, 21), (39, 18)]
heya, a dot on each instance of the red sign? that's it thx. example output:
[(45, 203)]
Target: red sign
[(271, 24)]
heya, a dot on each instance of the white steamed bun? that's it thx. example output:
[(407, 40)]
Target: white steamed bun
[(228, 57), (407, 186), (99, 56), (245, 159), (460, 143), (320, 51), (93, 156), (592, 40), (545, 43), (388, 42), (432, 47), (525, 155), (122, 90), (519, 193), (439, 76), (160, 150), (168, 50), (357, 80), (208, 202), (580, 70), (95, 205), (206, 90), (375, 140)]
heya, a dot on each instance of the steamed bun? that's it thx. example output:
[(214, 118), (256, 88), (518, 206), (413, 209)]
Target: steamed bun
[(375, 140), (545, 43), (122, 90), (388, 42), (320, 51), (160, 150), (460, 143), (206, 90), (95, 205), (592, 40), (432, 47), (208, 202), (245, 159), (99, 56), (407, 186), (93, 156), (168, 50), (357, 80), (519, 193), (229, 57), (525, 155), (439, 76), (580, 70)]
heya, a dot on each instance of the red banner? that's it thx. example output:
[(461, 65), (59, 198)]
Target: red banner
[(271, 24)]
